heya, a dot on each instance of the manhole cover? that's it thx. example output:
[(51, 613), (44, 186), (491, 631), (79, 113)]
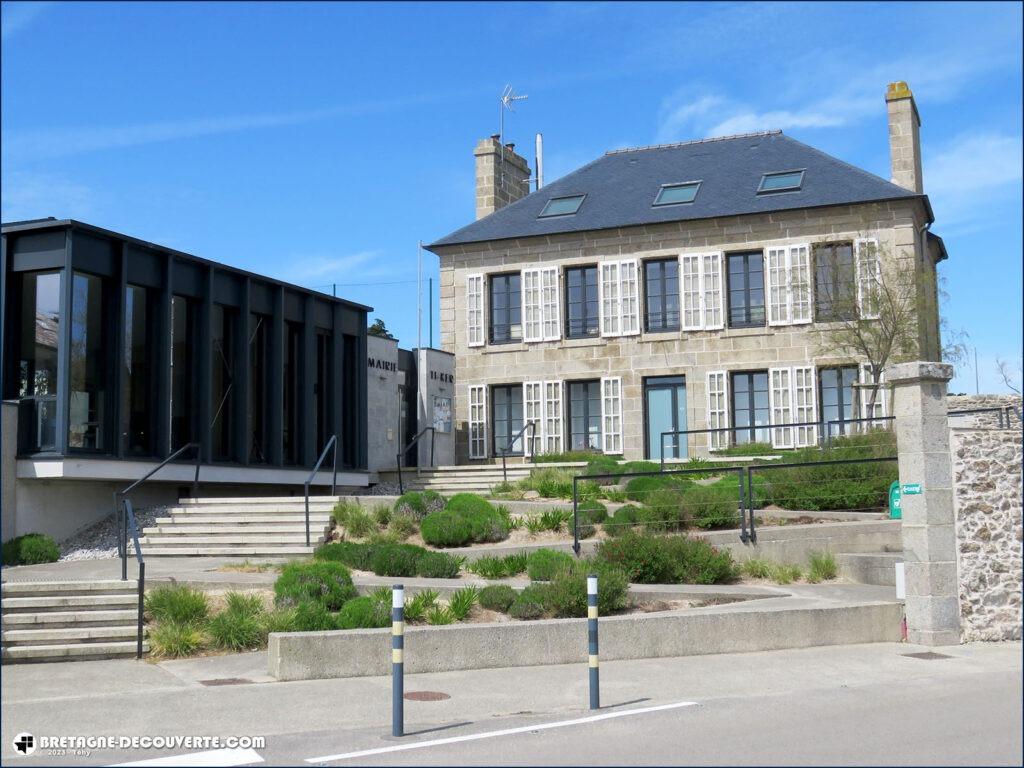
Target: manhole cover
[(226, 681), (426, 696), (926, 655)]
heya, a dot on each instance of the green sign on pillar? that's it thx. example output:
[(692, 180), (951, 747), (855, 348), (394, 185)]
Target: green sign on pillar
[(895, 509)]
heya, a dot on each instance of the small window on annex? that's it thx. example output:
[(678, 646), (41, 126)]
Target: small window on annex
[(39, 343)]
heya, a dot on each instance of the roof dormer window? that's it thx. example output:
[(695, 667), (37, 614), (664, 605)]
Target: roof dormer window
[(783, 181), (674, 194), (562, 206)]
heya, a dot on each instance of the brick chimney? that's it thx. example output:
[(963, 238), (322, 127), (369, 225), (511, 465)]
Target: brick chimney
[(904, 137), (502, 176)]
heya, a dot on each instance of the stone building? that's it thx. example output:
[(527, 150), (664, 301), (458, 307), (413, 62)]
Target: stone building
[(676, 287)]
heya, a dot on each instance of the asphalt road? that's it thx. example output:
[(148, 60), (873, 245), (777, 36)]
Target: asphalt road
[(863, 705)]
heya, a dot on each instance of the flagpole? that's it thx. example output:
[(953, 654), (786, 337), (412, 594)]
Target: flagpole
[(419, 295)]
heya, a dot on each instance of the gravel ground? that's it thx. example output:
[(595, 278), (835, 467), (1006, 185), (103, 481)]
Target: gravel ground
[(99, 541), (380, 489)]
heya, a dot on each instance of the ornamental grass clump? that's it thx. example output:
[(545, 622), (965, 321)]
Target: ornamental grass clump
[(364, 613), (823, 567), (497, 597), (177, 604), (172, 640)]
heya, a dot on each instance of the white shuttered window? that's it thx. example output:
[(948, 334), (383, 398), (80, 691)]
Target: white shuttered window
[(788, 284), (611, 415), (800, 283), (711, 290), (869, 277), (718, 410), (550, 313), (608, 298), (700, 291), (533, 410), (777, 277), (881, 399), (532, 323), (690, 292), (619, 298), (805, 406), (478, 422), (475, 310), (552, 417), (780, 402)]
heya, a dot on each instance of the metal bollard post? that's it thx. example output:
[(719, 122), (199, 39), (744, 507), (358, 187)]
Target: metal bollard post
[(397, 646), (595, 683)]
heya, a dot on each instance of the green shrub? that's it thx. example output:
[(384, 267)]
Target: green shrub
[(382, 515), (461, 602), (786, 574), (666, 506), (328, 583), (640, 466), (340, 512), (313, 616), (395, 559), (244, 603), (279, 620), (418, 605), (748, 449), (756, 568), (613, 494), (440, 614), (236, 630), (566, 596), (585, 530), (530, 603), (402, 526), (358, 556), (446, 529), (622, 521), (30, 549), (699, 463), (549, 482), (823, 567), (172, 639), (603, 465), (542, 564), (487, 525), (566, 456), (177, 604), (707, 507), (668, 560), (364, 613), (358, 522), (592, 510), (468, 503), (640, 488), (419, 504), (438, 565), (490, 567), (497, 597)]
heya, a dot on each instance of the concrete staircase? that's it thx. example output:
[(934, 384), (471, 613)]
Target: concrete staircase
[(869, 567), (469, 478), (69, 620), (239, 527)]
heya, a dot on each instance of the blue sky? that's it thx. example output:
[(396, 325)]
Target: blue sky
[(319, 142)]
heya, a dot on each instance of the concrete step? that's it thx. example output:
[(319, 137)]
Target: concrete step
[(63, 619), (65, 602), (210, 518), (246, 509), (869, 567), (88, 634), (190, 528), (225, 538), (48, 588), (259, 500), (251, 550), (71, 651)]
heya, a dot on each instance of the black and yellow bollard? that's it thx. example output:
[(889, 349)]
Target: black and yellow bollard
[(595, 682), (397, 648)]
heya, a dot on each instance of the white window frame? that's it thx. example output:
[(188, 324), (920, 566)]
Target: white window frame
[(718, 409), (533, 324), (869, 280), (477, 421), (551, 313), (805, 404), (881, 401), (776, 285), (780, 406), (533, 410), (475, 310), (712, 291), (609, 307), (801, 285), (611, 415), (629, 297), (553, 422), (691, 292)]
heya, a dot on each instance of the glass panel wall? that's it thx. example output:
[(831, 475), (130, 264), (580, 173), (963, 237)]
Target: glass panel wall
[(88, 379), (38, 355), (184, 344), (225, 322), (137, 405), (259, 388), (292, 369), (321, 388)]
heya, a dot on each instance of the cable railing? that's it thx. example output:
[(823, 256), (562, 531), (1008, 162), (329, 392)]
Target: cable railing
[(404, 451), (530, 425), (331, 444), (1004, 412), (129, 524)]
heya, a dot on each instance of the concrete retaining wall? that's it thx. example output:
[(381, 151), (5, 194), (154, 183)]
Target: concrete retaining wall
[(359, 653)]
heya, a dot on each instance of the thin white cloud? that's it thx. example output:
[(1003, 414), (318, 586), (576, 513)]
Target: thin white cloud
[(345, 268), (32, 195), (14, 17)]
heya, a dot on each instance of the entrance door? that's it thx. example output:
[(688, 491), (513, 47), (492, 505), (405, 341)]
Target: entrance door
[(665, 404), (507, 418)]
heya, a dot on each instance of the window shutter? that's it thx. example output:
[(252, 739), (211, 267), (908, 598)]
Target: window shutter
[(777, 285), (690, 292), (608, 300), (805, 407), (869, 277), (718, 410), (533, 328), (553, 417), (780, 404), (477, 422), (550, 313), (533, 410), (629, 297), (475, 310), (611, 415), (800, 283), (711, 290), (881, 399)]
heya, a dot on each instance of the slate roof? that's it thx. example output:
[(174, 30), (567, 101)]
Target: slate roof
[(620, 187)]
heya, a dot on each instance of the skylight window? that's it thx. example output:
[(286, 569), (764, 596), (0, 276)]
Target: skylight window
[(562, 206), (672, 194), (781, 182)]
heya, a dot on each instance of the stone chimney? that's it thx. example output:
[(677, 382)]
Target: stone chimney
[(904, 137), (502, 176)]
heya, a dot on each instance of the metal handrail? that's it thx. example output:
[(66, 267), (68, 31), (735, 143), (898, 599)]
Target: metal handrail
[(332, 443), (530, 425), (130, 523), (401, 453), (1002, 410)]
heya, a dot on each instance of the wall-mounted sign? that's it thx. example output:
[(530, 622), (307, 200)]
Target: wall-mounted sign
[(448, 378), (912, 489), (442, 414), (381, 365)]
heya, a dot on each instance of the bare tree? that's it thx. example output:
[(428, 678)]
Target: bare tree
[(1010, 374)]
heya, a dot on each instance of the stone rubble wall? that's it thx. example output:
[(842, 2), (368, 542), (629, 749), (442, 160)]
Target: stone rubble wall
[(987, 503), (983, 420)]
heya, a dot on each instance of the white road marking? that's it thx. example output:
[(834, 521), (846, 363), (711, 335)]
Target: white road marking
[(215, 757), (505, 732)]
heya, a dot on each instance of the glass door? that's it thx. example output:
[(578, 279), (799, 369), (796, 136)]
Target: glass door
[(665, 406), (507, 417)]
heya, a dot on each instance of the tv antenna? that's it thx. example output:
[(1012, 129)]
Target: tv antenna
[(508, 101)]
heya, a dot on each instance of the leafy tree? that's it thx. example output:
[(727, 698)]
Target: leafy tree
[(379, 329)]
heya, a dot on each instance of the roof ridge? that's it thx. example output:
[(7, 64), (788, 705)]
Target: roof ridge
[(695, 141)]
